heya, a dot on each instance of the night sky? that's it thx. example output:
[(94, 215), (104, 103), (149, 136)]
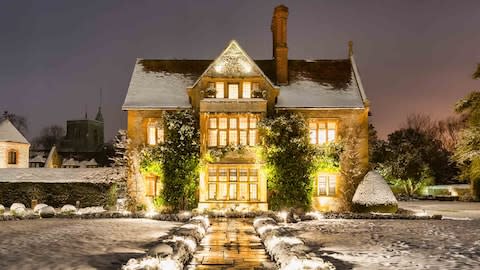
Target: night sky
[(414, 56)]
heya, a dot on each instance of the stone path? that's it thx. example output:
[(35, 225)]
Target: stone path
[(231, 244)]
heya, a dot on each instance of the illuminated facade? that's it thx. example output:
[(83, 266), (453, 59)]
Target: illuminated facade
[(231, 94)]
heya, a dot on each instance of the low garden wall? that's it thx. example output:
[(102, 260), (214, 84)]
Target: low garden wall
[(58, 194)]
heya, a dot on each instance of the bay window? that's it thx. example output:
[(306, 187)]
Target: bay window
[(232, 183), (232, 130)]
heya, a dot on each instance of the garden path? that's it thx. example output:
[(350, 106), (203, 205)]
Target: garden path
[(231, 244)]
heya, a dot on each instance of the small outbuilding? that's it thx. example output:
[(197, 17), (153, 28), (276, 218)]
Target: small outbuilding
[(14, 148)]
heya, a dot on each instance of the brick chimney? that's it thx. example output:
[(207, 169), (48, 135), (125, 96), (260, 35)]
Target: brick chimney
[(280, 49)]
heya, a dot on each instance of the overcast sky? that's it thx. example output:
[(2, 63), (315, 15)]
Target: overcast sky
[(414, 56)]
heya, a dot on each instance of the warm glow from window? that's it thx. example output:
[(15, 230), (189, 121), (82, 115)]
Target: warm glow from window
[(247, 90), (152, 140), (232, 130), (232, 183), (150, 186), (233, 91), (326, 185), (220, 89), (160, 135), (322, 131)]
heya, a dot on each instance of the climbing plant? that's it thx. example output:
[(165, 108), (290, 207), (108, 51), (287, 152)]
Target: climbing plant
[(289, 161), (176, 161)]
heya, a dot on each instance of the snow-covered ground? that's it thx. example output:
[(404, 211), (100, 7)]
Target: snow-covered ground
[(446, 209), (394, 244), (77, 244)]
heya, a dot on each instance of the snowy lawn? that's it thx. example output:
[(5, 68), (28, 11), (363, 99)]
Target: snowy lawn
[(446, 209), (393, 244), (77, 244)]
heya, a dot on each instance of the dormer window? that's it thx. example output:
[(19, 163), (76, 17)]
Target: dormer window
[(220, 87), (246, 90), (12, 157), (233, 91)]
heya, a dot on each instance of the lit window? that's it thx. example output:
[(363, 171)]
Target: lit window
[(212, 191), (222, 174), (253, 191), (252, 137), (232, 183), (232, 195), (232, 137), (243, 193), (243, 137), (253, 122), (212, 175), (220, 89), (212, 123), (247, 90), (152, 140), (160, 135), (212, 137), (233, 123), (222, 138), (12, 157), (233, 91), (326, 185), (222, 191), (322, 132), (243, 122), (222, 123), (243, 175)]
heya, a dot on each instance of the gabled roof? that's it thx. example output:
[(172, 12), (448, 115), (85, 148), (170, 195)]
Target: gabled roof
[(162, 84), (9, 133)]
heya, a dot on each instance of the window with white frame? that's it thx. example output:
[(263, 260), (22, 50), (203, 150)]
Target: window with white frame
[(246, 90), (322, 131), (220, 89), (232, 183), (233, 90), (155, 134), (232, 130), (326, 185)]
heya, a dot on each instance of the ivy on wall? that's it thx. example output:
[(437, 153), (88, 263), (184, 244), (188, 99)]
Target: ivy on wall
[(289, 161), (176, 161)]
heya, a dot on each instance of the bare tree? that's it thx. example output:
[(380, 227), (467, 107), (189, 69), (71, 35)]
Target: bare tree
[(50, 136), (18, 121)]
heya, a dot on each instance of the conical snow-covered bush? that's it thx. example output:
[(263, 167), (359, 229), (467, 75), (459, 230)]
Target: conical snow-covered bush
[(373, 194)]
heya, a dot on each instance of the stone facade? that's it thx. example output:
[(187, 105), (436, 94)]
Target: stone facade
[(21, 150), (230, 95)]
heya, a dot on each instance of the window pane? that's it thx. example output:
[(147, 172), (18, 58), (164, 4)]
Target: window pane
[(322, 136), (219, 86), (253, 122), (252, 137), (253, 191), (243, 194), (332, 125), (222, 138), (243, 137), (222, 174), (222, 191), (255, 86), (160, 135), (232, 137), (151, 135), (313, 136), (233, 91), (222, 123), (247, 90), (243, 123), (233, 175), (212, 123), (212, 174), (253, 175), (322, 185), (212, 137), (212, 191), (233, 123), (233, 192), (243, 175), (332, 185)]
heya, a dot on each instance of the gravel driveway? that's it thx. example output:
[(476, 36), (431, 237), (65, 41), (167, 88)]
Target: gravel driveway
[(76, 244)]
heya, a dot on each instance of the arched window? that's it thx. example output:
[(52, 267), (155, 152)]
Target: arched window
[(12, 157)]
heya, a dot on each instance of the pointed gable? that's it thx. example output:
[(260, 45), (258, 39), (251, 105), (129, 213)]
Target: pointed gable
[(9, 133), (233, 62)]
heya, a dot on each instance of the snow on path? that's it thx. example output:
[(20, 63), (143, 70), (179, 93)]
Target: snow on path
[(447, 209), (394, 244), (76, 244)]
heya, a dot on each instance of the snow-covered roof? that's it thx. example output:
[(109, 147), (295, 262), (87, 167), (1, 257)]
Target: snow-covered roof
[(9, 133), (38, 159), (70, 162), (374, 190), (162, 84), (58, 175)]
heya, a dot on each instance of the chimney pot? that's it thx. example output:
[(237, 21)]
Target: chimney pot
[(280, 48)]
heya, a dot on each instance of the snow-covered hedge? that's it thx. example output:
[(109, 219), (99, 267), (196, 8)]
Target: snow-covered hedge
[(39, 206), (174, 251), (2, 209), (288, 252), (373, 194)]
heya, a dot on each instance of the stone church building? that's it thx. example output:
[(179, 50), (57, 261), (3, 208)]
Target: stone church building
[(231, 94)]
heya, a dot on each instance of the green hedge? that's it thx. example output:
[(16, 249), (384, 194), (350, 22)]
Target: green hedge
[(57, 194)]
